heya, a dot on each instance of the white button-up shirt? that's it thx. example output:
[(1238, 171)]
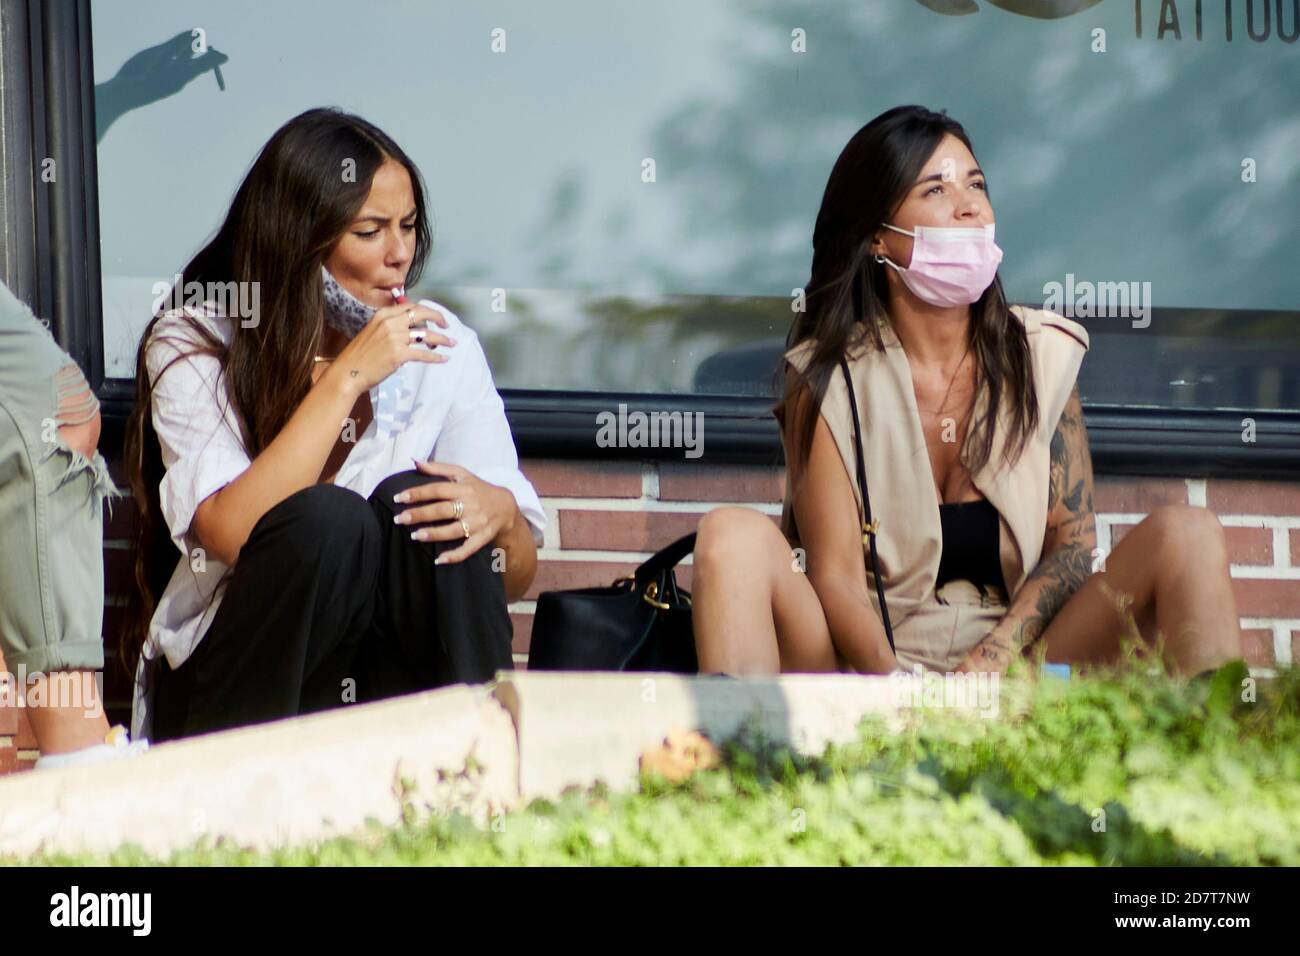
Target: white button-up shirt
[(457, 418)]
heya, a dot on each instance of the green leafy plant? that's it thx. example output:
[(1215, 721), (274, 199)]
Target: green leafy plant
[(1131, 767)]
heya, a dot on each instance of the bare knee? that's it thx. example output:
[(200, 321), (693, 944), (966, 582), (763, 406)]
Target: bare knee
[(1183, 533), (83, 438), (78, 411), (725, 536)]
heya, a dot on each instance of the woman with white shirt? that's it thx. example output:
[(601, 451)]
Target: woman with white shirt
[(332, 465)]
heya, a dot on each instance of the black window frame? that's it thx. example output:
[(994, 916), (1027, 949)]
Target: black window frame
[(50, 259)]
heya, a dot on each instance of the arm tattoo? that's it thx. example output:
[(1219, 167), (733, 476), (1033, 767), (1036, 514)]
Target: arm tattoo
[(1071, 469), (1071, 533), (1063, 571)]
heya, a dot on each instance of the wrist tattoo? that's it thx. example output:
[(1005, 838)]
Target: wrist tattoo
[(1062, 573)]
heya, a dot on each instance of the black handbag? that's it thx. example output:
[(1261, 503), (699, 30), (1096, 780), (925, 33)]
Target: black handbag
[(639, 623), (869, 525), (643, 622)]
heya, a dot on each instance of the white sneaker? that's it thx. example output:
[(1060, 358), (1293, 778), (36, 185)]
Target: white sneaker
[(117, 745)]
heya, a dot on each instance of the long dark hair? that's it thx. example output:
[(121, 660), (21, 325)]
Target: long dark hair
[(848, 292), (298, 199)]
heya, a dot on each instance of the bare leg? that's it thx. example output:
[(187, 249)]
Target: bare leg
[(71, 714), (755, 612), (1173, 567)]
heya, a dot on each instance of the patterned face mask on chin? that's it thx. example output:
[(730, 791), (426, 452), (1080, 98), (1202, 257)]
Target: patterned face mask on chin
[(344, 311)]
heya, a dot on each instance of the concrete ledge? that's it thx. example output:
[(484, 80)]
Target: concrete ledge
[(575, 729), (531, 734), (285, 782)]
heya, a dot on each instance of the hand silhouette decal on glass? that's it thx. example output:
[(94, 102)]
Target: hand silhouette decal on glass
[(154, 74)]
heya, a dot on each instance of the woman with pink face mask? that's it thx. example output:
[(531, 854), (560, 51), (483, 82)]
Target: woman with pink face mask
[(975, 460)]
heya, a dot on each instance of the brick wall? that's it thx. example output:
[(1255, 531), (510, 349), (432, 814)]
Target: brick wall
[(17, 745), (607, 517)]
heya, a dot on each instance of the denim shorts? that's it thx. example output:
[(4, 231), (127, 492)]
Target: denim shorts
[(51, 504)]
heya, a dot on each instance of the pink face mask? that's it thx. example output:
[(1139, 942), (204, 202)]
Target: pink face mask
[(950, 266)]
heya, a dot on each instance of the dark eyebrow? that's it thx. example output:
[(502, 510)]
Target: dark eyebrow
[(381, 220), (938, 177)]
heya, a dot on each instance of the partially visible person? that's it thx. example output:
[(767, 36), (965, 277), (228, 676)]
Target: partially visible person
[(53, 483)]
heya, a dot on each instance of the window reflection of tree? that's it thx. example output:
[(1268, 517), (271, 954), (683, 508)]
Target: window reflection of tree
[(1129, 161)]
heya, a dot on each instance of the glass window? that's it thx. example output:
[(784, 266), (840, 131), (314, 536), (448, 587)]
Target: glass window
[(640, 180)]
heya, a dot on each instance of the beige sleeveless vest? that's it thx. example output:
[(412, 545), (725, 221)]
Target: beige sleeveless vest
[(903, 497)]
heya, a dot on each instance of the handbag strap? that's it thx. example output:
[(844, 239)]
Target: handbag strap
[(666, 558), (869, 526)]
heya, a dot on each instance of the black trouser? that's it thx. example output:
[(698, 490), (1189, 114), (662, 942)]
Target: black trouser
[(330, 602)]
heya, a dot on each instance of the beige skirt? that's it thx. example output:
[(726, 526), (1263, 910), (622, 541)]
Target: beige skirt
[(939, 634)]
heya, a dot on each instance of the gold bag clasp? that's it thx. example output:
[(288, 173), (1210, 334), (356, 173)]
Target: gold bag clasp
[(870, 528)]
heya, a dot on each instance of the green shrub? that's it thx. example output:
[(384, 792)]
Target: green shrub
[(1130, 768)]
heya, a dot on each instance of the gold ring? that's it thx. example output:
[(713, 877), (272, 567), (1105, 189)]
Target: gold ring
[(458, 508), (464, 526)]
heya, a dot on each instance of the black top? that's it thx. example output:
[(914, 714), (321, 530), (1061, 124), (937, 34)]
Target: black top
[(970, 544)]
